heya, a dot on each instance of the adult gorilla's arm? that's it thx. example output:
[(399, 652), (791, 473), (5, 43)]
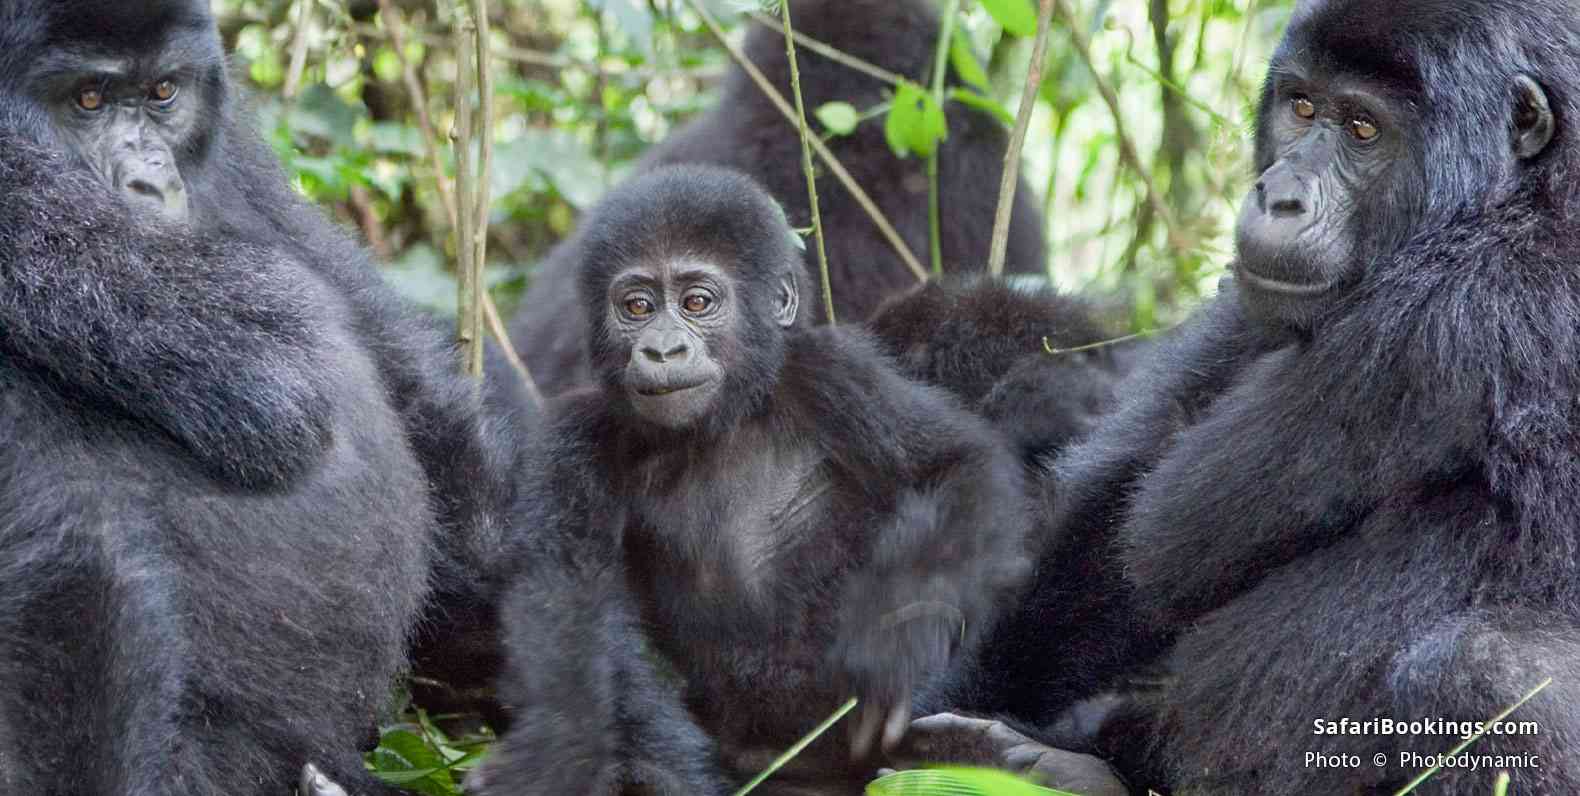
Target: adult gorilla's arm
[(207, 340), (464, 451), (589, 711), (953, 542)]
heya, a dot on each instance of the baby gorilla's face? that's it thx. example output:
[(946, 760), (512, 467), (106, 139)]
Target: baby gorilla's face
[(672, 317)]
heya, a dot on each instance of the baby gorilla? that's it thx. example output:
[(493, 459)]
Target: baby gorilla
[(791, 520)]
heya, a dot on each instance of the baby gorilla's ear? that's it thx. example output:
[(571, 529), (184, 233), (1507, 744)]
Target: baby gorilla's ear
[(1533, 118), (789, 301)]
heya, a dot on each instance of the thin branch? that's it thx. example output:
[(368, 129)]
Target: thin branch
[(806, 162), (468, 315), (485, 89), (496, 326), (1127, 147), (1017, 139), (823, 153), (946, 30), (293, 75), (831, 53)]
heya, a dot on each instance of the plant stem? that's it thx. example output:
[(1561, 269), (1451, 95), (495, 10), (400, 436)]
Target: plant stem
[(466, 199), (833, 54), (481, 185), (946, 30), (806, 162), (496, 326), (840, 172), (1017, 139), (790, 753)]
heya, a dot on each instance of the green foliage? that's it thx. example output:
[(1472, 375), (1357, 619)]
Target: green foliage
[(956, 782), (838, 118), (1018, 17), (965, 62), (419, 757), (915, 122)]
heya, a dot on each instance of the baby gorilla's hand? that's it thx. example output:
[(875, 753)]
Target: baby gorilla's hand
[(882, 657)]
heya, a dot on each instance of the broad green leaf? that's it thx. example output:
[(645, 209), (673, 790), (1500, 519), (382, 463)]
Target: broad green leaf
[(915, 122), (956, 782), (1017, 17), (965, 62), (839, 118)]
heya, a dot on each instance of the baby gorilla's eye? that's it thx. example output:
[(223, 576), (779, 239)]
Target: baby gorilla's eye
[(639, 307), (90, 99), (1303, 107), (697, 303), (1363, 129), (164, 91)]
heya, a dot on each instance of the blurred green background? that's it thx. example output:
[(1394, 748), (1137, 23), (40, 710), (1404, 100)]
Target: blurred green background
[(582, 88)]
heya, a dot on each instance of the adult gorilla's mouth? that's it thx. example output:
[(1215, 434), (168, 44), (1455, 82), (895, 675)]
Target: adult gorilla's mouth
[(1281, 286)]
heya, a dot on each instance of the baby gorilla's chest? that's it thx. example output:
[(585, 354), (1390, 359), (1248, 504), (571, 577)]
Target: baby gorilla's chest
[(729, 523)]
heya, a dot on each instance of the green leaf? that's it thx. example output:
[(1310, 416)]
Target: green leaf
[(965, 62), (838, 118), (968, 97), (915, 122), (956, 782), (1017, 17)]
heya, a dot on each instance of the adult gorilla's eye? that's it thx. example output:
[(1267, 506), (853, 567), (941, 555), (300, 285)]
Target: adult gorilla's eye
[(697, 303), (639, 307), (1363, 129), (90, 99), (1303, 107), (164, 91)]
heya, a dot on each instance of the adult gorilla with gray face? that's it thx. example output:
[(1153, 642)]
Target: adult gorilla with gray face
[(232, 463), (1350, 488)]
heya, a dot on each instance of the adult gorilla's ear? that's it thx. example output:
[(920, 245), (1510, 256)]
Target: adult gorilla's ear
[(789, 301), (1533, 118)]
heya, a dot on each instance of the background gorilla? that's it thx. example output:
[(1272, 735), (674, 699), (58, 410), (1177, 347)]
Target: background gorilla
[(985, 341), (1349, 488), (211, 409), (793, 519), (744, 132)]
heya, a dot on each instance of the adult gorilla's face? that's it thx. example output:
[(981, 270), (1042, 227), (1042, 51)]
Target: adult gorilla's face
[(130, 89), (1349, 116)]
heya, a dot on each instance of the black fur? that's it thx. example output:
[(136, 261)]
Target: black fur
[(987, 342), (234, 463), (746, 133), (830, 530), (1376, 515)]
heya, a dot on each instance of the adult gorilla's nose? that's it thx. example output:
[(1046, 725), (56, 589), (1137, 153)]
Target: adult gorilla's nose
[(154, 186), (1281, 193)]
